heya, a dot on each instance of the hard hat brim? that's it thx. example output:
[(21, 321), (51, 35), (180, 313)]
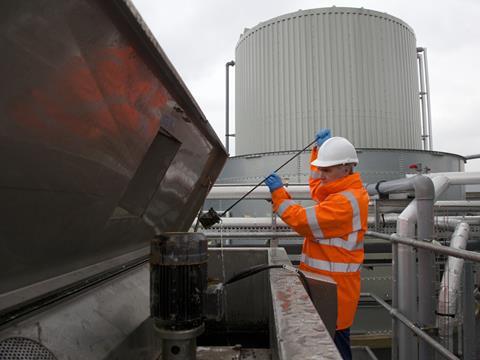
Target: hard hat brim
[(319, 163)]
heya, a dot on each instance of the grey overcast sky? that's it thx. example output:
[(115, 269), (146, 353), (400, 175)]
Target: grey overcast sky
[(199, 37)]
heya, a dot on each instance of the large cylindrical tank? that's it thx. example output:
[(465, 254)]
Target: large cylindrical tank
[(351, 70)]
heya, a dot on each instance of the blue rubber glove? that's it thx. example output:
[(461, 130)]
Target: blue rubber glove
[(273, 181), (322, 135)]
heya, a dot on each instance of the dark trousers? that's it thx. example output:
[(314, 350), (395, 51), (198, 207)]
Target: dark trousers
[(342, 341)]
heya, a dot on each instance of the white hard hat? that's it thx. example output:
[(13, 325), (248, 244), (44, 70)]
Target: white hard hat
[(335, 151)]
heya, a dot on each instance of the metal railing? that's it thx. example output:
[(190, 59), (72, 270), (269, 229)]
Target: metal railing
[(414, 328), (412, 270), (469, 346)]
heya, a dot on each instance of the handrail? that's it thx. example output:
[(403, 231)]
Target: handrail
[(435, 247), (414, 328)]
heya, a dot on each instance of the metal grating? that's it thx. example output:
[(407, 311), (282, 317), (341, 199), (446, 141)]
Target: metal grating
[(20, 348)]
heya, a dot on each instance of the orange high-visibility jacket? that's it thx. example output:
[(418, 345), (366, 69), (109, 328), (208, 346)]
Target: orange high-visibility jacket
[(333, 231)]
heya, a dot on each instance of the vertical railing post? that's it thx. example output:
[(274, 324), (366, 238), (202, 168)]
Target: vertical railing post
[(469, 336)]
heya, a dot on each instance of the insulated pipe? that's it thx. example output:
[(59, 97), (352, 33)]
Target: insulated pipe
[(228, 192), (262, 222), (406, 268), (450, 287), (250, 235), (457, 203), (453, 221), (458, 178), (401, 337), (302, 192), (412, 327), (227, 112), (424, 196)]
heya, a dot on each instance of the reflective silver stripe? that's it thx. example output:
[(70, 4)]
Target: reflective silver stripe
[(314, 174), (283, 206), (349, 244), (356, 223), (330, 266), (313, 222), (353, 237)]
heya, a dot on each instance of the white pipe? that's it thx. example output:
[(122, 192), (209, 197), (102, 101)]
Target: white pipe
[(458, 178), (423, 102), (458, 203), (406, 300), (231, 192), (250, 235), (427, 84), (227, 104), (453, 221), (302, 192), (450, 286), (266, 222)]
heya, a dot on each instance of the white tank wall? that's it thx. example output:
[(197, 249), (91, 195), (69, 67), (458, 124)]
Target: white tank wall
[(352, 70)]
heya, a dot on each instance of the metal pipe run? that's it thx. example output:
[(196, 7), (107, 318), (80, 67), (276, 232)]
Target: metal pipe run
[(266, 222), (457, 178), (423, 102), (453, 221), (227, 110), (405, 270), (471, 157), (228, 192), (450, 287), (429, 110), (433, 247), (302, 192), (404, 267), (412, 327), (250, 235)]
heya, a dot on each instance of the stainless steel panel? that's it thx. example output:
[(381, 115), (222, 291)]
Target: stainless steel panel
[(111, 320), (92, 324), (352, 70), (87, 174), (223, 264), (323, 290)]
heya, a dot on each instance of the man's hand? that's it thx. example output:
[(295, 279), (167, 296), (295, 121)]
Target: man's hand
[(322, 135), (273, 181)]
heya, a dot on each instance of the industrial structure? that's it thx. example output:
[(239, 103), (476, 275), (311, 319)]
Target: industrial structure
[(351, 70), (360, 73), (107, 160)]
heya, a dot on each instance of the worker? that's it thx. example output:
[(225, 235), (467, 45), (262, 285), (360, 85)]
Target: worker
[(334, 227)]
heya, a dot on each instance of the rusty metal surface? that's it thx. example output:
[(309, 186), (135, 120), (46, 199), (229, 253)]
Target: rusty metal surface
[(101, 143), (299, 332)]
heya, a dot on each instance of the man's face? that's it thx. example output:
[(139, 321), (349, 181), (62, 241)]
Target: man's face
[(332, 173)]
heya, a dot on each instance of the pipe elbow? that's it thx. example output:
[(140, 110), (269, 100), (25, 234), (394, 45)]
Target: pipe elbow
[(424, 188)]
